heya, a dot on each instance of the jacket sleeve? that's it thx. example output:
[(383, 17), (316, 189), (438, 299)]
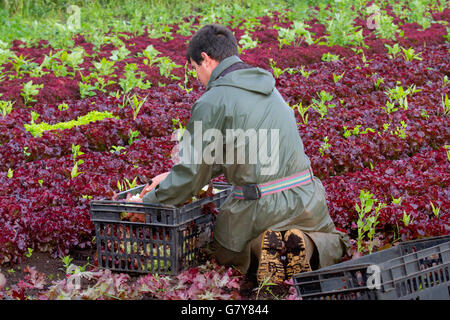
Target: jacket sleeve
[(190, 175)]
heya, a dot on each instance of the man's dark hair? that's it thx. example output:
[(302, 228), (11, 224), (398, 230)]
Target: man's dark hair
[(215, 40)]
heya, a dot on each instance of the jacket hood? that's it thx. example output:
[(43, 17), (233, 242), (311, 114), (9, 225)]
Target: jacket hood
[(253, 79)]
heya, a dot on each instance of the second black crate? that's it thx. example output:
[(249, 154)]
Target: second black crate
[(416, 269)]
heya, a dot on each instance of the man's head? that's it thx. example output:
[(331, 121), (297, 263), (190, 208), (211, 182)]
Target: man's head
[(208, 47)]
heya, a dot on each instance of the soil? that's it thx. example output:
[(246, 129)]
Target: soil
[(251, 291), (43, 262)]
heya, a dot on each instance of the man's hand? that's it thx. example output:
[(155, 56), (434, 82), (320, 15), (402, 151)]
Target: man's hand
[(135, 198), (148, 187), (155, 181), (139, 217)]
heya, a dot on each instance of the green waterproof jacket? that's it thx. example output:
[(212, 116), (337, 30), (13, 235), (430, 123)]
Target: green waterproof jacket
[(247, 99)]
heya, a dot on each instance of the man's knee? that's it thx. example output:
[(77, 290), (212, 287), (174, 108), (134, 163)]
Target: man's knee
[(311, 251), (228, 258)]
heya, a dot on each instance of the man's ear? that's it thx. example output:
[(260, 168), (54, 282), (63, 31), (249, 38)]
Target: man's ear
[(205, 57), (209, 62)]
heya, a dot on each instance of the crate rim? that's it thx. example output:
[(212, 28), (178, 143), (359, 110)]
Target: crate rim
[(328, 271), (219, 185), (100, 205)]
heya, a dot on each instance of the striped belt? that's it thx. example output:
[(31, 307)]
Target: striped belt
[(256, 191)]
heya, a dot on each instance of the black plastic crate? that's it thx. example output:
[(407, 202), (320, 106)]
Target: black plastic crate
[(396, 251), (166, 243), (416, 269)]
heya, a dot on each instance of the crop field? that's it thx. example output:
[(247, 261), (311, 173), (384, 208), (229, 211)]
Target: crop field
[(91, 92)]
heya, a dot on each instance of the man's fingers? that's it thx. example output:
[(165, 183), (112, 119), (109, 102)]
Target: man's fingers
[(134, 198), (147, 189)]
